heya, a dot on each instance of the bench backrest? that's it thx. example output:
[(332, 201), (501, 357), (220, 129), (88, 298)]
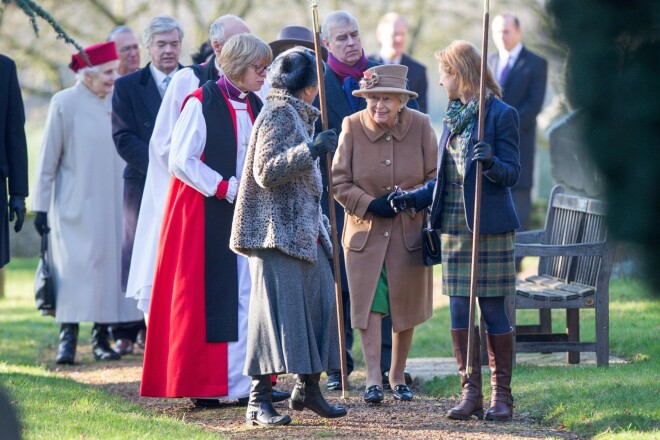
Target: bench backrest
[(571, 220)]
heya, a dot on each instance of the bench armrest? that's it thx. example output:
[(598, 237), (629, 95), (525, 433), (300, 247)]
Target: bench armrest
[(527, 237), (560, 250)]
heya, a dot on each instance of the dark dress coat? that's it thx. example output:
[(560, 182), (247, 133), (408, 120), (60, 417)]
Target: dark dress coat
[(13, 148), (135, 104), (524, 90), (417, 79), (497, 212)]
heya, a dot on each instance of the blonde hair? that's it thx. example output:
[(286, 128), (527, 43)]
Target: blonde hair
[(242, 51), (462, 59)]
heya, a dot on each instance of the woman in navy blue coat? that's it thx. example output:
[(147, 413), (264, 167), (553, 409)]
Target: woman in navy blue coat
[(451, 198)]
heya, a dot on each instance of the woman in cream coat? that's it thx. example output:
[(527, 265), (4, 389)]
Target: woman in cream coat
[(384, 146)]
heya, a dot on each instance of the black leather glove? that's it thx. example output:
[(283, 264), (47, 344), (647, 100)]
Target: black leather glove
[(17, 207), (402, 201), (381, 207), (324, 142), (483, 153), (41, 222)]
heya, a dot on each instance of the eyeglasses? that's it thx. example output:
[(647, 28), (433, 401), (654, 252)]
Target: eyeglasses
[(125, 49), (260, 70)]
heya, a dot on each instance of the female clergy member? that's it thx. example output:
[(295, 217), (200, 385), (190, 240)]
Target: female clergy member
[(278, 224), (78, 194), (199, 309), (452, 211), (384, 146)]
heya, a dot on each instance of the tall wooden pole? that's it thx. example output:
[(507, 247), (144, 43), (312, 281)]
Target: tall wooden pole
[(331, 202), (476, 225)]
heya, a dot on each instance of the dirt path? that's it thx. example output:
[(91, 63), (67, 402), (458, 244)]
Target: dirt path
[(423, 418)]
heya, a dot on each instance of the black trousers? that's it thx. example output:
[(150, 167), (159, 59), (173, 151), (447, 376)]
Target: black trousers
[(127, 330)]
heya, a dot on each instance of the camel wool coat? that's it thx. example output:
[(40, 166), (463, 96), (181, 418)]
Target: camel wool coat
[(368, 163)]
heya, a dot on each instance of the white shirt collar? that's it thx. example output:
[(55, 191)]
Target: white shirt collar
[(160, 76), (511, 55), (387, 60)]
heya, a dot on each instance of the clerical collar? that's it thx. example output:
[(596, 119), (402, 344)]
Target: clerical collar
[(233, 92)]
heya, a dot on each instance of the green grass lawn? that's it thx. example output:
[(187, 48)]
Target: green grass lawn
[(52, 407), (621, 401)]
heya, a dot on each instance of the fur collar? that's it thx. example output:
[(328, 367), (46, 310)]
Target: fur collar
[(308, 113)]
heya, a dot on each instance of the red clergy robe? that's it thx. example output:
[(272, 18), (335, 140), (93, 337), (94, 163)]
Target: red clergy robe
[(186, 351)]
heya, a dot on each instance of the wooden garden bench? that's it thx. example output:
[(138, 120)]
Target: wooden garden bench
[(574, 270)]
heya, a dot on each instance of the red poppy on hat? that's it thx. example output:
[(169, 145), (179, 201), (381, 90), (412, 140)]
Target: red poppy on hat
[(97, 53)]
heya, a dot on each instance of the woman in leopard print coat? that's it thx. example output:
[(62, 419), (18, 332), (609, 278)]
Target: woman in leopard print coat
[(279, 226)]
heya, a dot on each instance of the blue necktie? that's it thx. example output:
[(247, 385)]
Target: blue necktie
[(505, 71)]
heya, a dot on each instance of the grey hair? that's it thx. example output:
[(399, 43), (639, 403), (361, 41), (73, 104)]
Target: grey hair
[(87, 72), (218, 31), (119, 30), (334, 19), (160, 24)]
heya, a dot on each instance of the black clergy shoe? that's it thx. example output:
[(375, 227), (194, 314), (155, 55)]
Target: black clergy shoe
[(100, 345), (374, 394), (402, 392), (208, 403), (334, 381)]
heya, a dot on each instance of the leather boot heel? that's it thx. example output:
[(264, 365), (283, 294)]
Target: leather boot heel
[(260, 410), (307, 394), (297, 405), (472, 404)]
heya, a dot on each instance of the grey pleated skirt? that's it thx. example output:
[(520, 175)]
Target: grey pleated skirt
[(292, 324)]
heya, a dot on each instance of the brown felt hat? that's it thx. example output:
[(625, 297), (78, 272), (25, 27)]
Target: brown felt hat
[(387, 78), (294, 35)]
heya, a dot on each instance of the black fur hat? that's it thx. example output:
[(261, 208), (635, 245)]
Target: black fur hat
[(293, 70)]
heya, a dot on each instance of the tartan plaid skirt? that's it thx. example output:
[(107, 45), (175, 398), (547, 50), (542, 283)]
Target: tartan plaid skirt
[(497, 272)]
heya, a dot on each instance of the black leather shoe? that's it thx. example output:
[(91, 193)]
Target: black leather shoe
[(386, 379), (123, 346), (260, 410), (101, 346), (402, 392), (307, 394), (141, 338), (334, 381), (374, 394), (66, 352), (209, 403)]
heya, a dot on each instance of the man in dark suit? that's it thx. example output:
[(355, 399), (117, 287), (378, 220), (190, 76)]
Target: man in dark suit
[(135, 105), (392, 34), (346, 63), (13, 155), (522, 75)]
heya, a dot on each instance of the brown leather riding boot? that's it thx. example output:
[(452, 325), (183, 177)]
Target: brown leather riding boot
[(472, 400), (500, 361)]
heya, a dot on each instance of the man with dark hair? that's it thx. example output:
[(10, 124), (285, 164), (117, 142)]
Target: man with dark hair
[(135, 104), (522, 75)]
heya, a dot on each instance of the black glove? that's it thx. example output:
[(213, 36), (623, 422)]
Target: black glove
[(41, 222), (324, 142), (381, 207), (483, 153), (17, 207), (402, 201)]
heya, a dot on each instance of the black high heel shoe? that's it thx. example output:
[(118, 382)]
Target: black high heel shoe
[(374, 394), (402, 392)]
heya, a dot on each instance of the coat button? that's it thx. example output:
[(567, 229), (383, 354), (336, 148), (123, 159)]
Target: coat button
[(388, 137), (386, 234), (387, 162)]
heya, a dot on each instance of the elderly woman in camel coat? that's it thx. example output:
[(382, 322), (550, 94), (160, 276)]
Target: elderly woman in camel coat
[(384, 146)]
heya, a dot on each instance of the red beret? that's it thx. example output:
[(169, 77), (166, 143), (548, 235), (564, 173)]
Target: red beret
[(97, 53)]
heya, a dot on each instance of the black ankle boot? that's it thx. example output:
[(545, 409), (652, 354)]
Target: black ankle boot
[(307, 394), (260, 409), (100, 345), (66, 352)]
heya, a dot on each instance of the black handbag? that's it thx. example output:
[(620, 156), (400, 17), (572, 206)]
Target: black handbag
[(431, 244), (44, 285)]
